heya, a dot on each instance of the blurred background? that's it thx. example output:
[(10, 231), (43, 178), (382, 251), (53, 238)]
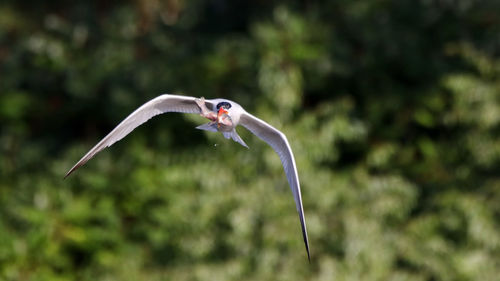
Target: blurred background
[(392, 109)]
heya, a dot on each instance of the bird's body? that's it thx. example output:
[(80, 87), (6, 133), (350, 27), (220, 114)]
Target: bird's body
[(224, 116)]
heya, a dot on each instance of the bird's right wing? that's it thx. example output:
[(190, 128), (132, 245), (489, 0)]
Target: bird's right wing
[(161, 104)]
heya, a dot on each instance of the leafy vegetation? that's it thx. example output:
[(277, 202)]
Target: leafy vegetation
[(392, 109)]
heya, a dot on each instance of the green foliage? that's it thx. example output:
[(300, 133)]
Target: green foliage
[(392, 109)]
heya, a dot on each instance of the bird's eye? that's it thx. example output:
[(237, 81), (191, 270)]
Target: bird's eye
[(224, 105)]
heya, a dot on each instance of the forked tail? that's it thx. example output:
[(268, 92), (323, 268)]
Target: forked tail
[(212, 127)]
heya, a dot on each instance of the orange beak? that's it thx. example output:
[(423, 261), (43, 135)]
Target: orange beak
[(221, 111)]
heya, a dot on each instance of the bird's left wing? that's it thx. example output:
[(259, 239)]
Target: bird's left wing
[(161, 104), (278, 141)]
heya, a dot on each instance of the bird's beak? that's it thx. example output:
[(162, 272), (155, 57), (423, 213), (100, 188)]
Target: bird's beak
[(221, 112)]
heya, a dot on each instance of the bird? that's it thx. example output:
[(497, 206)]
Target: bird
[(224, 116)]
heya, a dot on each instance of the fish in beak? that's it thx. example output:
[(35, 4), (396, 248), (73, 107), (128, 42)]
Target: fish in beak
[(223, 118), (221, 112)]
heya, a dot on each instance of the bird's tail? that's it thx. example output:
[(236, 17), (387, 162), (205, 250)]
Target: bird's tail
[(212, 127), (234, 135)]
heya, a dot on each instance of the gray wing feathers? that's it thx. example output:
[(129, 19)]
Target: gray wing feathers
[(162, 104), (278, 141)]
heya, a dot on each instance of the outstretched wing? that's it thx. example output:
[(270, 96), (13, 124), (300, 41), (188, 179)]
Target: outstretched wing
[(278, 141), (162, 104)]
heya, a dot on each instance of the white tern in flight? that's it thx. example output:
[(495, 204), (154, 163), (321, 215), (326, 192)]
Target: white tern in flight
[(224, 116)]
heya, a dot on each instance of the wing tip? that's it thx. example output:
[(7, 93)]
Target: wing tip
[(72, 170), (308, 255), (68, 173), (305, 236), (306, 242)]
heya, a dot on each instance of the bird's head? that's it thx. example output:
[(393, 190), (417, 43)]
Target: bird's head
[(223, 118), (223, 108)]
